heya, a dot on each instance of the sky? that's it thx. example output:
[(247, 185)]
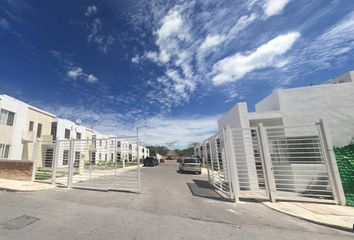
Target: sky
[(171, 68)]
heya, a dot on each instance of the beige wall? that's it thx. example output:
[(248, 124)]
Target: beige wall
[(36, 117)]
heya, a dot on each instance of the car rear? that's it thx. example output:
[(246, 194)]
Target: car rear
[(191, 165)]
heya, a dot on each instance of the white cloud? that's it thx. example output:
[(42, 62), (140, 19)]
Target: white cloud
[(103, 41), (78, 73), (91, 79), (75, 73), (171, 24), (4, 23), (274, 7), (212, 41), (135, 59), (234, 67), (91, 10)]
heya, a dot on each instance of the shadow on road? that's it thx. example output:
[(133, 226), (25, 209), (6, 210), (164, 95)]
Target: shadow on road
[(202, 188)]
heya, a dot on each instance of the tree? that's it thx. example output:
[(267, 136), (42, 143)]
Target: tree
[(162, 150)]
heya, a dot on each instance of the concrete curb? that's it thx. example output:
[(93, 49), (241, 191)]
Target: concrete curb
[(308, 219)]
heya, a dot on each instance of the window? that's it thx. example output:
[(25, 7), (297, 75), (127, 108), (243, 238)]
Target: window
[(112, 156), (65, 157), (67, 134), (7, 117), (118, 144), (78, 136), (53, 130), (30, 127), (77, 159), (4, 151), (39, 130), (99, 156), (105, 157)]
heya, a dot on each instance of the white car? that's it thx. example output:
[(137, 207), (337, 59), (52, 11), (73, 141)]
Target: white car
[(190, 165)]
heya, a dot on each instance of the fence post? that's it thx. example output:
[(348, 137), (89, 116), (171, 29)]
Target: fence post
[(55, 161), (231, 163), (331, 163), (34, 160), (71, 163), (267, 162), (138, 160)]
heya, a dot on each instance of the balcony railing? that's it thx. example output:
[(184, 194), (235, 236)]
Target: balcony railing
[(28, 136)]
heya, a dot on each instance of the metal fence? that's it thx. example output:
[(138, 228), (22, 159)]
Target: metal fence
[(100, 164), (216, 164), (277, 163)]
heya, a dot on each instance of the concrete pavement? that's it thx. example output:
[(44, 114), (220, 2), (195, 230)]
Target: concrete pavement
[(23, 186), (171, 206), (340, 217)]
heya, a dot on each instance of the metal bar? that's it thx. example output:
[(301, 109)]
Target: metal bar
[(55, 161), (331, 163), (34, 160), (71, 163), (267, 162), (138, 160)]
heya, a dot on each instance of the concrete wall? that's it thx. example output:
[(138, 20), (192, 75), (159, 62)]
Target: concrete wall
[(36, 116), (13, 134), (16, 170), (270, 103), (236, 117), (334, 103)]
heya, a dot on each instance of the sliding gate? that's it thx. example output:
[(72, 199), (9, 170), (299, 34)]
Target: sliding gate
[(99, 164), (278, 163)]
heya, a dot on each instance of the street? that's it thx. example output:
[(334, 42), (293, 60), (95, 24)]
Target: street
[(166, 209)]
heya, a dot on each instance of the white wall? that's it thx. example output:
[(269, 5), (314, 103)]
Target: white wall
[(333, 103), (236, 117), (270, 103), (13, 134)]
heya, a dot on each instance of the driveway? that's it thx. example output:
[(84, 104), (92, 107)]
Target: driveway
[(171, 206)]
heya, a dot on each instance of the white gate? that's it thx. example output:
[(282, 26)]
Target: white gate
[(101, 164), (279, 163)]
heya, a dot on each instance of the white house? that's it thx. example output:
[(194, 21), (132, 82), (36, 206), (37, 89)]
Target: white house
[(331, 101)]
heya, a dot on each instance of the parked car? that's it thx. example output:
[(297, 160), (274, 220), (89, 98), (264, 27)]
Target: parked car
[(190, 165), (150, 161)]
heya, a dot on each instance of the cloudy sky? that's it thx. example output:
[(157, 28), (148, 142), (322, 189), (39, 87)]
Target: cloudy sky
[(171, 66)]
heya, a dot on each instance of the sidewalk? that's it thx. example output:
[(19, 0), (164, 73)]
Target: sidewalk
[(23, 186), (335, 216)]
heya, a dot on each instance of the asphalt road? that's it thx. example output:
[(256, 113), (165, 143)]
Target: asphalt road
[(166, 209)]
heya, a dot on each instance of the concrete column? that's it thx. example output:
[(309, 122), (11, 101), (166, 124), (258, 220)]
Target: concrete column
[(267, 162), (331, 163)]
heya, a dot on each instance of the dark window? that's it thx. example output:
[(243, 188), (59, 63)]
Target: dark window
[(39, 130), (7, 117), (112, 156), (67, 134), (105, 157), (48, 157), (191, 160), (78, 136), (30, 127), (65, 157), (53, 130), (118, 144), (77, 159), (4, 151)]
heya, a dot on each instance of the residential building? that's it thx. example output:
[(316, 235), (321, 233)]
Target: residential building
[(331, 101), (20, 126)]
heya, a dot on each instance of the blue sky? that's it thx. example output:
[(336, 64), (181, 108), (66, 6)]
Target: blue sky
[(172, 66)]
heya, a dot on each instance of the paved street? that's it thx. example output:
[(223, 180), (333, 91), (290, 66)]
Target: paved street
[(166, 209)]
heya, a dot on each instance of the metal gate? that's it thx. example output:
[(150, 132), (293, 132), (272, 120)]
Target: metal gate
[(280, 163), (100, 164), (216, 163)]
